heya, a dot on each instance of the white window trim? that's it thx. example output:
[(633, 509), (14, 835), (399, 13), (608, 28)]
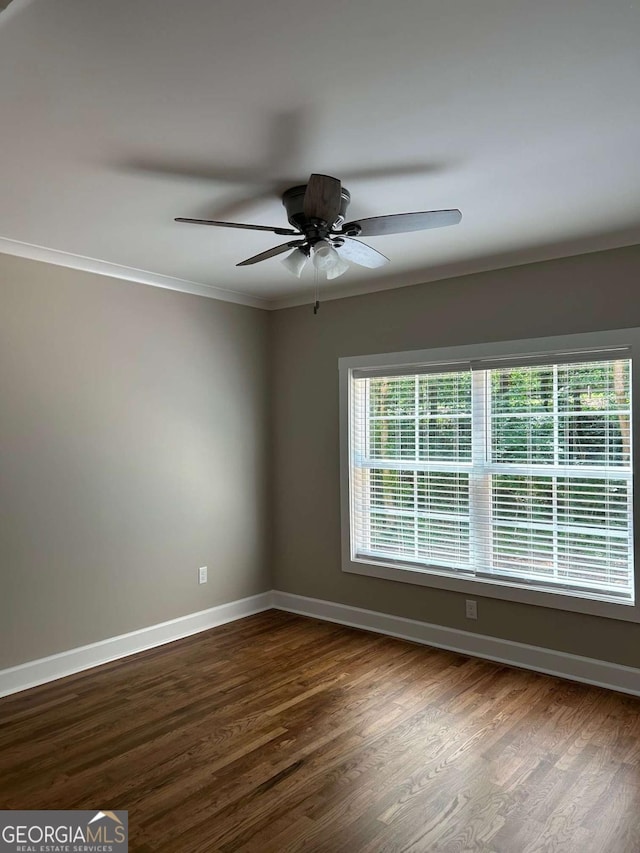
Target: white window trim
[(481, 586)]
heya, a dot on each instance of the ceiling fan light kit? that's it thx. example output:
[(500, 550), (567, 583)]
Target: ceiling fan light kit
[(295, 262), (317, 212), (338, 268), (326, 258)]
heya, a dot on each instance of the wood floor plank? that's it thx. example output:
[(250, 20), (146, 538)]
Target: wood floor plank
[(281, 734)]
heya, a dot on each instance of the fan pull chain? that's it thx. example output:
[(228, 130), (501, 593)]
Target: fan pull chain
[(316, 290)]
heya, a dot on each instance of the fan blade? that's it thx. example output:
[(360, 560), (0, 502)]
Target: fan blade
[(323, 198), (400, 223), (236, 225), (271, 253), (360, 253)]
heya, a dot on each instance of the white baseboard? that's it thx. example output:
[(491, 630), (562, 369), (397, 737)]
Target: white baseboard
[(40, 671), (612, 676), (625, 679)]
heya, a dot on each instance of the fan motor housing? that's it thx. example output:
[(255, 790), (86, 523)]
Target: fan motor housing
[(293, 200)]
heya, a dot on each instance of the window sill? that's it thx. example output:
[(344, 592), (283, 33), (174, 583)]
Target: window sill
[(493, 588)]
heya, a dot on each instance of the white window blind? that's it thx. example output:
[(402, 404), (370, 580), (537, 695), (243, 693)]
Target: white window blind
[(516, 471)]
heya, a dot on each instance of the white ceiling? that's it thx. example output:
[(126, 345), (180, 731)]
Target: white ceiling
[(119, 116)]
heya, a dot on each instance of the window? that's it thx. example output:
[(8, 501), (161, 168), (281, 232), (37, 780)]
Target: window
[(514, 471)]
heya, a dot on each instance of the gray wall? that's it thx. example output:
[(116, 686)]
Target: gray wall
[(133, 426), (134, 445), (590, 292)]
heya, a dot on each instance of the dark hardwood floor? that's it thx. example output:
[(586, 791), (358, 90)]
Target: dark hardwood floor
[(278, 733)]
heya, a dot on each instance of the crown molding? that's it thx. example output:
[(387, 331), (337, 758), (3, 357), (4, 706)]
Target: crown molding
[(344, 290), (93, 265), (459, 269)]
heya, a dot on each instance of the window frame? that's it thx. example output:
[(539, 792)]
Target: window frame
[(490, 587)]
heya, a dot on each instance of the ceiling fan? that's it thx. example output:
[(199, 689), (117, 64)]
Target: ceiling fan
[(317, 213)]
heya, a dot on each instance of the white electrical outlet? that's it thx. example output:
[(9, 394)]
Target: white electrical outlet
[(471, 608), (202, 574)]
